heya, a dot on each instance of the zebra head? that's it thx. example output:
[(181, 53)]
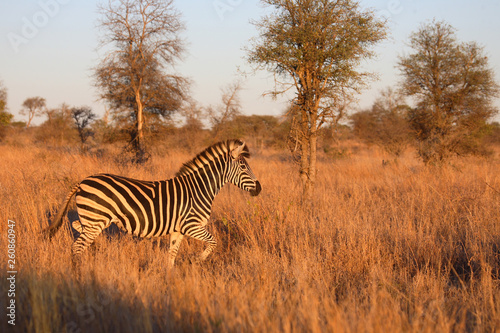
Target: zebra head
[(240, 173)]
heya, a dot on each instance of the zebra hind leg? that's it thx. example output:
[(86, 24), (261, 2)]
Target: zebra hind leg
[(200, 233), (86, 238)]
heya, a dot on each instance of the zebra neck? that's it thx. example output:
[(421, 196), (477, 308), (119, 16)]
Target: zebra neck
[(207, 184)]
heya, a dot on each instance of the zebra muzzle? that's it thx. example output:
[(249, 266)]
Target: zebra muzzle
[(256, 191)]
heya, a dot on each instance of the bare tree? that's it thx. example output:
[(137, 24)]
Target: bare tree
[(83, 117), (193, 115), (144, 40), (226, 111), (385, 123), (314, 47), (58, 113), (454, 88), (32, 107)]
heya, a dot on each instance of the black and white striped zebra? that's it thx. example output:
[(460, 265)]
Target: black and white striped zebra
[(179, 206)]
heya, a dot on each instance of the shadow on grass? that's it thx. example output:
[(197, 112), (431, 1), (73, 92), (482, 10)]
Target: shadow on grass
[(49, 303), (59, 302)]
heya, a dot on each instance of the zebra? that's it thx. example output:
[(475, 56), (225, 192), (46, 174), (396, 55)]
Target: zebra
[(177, 207)]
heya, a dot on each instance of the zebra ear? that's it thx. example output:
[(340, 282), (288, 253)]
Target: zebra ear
[(235, 153)]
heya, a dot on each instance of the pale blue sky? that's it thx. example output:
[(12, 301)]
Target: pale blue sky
[(48, 47)]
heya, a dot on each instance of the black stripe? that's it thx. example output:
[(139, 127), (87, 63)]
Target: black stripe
[(157, 205), (93, 210), (180, 202), (88, 218), (143, 184), (125, 210), (168, 192), (166, 202), (147, 187), (184, 199), (201, 189), (132, 202)]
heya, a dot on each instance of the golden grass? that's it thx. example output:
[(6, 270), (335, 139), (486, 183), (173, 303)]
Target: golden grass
[(396, 248)]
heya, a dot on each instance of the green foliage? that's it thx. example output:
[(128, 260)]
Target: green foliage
[(315, 47), (316, 41), (5, 118)]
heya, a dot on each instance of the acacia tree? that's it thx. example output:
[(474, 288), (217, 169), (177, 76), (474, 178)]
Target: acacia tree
[(144, 40), (32, 107), (314, 47), (453, 87)]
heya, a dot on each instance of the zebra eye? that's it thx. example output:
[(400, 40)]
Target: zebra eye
[(243, 166)]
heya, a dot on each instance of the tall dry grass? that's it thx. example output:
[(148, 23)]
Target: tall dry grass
[(395, 248)]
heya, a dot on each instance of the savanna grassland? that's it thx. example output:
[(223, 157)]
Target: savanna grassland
[(401, 247)]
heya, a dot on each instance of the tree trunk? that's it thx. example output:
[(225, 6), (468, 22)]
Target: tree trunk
[(31, 115), (308, 167), (305, 169), (140, 122), (308, 153), (308, 191), (138, 140), (309, 104), (304, 148)]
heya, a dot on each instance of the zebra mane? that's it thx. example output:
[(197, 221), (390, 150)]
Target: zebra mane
[(212, 153)]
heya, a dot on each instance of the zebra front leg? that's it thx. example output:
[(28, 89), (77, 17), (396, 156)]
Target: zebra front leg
[(175, 242), (200, 233)]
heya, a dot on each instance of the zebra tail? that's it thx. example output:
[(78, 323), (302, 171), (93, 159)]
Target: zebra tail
[(51, 230)]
